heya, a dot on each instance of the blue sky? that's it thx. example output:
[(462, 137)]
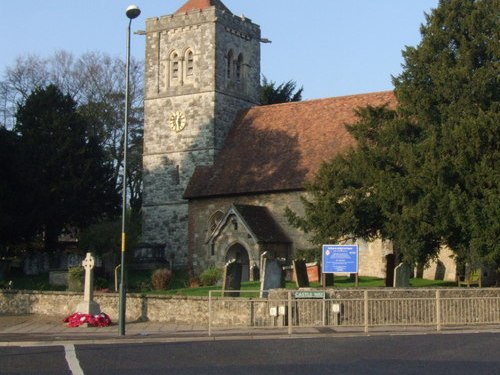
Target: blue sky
[(331, 47)]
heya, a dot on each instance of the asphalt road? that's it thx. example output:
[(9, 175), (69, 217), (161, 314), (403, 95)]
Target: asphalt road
[(430, 354)]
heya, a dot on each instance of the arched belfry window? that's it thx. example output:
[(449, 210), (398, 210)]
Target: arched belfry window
[(189, 59), (174, 67), (229, 65), (239, 68)]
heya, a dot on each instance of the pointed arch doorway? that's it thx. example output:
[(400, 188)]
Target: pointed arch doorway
[(240, 254)]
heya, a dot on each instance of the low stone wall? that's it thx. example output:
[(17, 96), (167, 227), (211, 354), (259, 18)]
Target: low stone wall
[(195, 310), (172, 309)]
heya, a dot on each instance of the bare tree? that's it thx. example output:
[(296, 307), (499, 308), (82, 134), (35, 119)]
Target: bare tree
[(95, 81)]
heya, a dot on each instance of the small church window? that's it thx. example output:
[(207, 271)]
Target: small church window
[(189, 63), (174, 61), (239, 67), (229, 67)]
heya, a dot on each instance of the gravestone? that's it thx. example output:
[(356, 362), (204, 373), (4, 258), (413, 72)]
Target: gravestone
[(272, 276), (327, 279), (254, 272), (232, 278), (402, 275), (300, 271), (88, 306)]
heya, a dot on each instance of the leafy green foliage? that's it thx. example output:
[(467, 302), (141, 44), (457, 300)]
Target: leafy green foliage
[(283, 93), (426, 174), (76, 278), (309, 255), (104, 236), (71, 184), (211, 276), (15, 224)]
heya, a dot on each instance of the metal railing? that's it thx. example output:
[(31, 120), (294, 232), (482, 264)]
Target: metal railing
[(288, 312)]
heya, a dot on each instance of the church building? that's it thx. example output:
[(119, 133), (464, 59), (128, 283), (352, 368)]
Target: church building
[(220, 170)]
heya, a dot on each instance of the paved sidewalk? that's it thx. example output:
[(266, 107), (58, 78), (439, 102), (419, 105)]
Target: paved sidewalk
[(41, 330)]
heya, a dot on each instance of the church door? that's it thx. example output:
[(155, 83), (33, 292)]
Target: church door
[(239, 253)]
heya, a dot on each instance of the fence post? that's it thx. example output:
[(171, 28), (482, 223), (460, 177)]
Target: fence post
[(438, 310), (366, 310), (290, 322), (209, 313), (324, 310)]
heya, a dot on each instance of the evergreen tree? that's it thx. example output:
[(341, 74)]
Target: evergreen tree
[(283, 93), (70, 181), (427, 173), (15, 223)]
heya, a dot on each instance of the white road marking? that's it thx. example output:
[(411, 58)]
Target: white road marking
[(73, 363)]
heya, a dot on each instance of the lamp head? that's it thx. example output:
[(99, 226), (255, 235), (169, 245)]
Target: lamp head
[(133, 11)]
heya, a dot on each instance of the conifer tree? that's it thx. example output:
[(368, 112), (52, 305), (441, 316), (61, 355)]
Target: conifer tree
[(70, 180), (425, 174)]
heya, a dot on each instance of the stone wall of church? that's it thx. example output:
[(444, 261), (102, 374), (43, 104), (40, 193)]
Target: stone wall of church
[(372, 261), (201, 211), (201, 90), (443, 268)]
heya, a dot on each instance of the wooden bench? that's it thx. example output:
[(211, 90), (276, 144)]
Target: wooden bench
[(473, 277)]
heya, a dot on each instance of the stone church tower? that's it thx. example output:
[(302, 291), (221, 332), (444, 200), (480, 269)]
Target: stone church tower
[(202, 68)]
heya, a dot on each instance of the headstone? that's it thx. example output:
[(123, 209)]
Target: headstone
[(272, 276), (88, 306), (232, 278), (328, 279), (254, 272), (402, 275), (300, 271)]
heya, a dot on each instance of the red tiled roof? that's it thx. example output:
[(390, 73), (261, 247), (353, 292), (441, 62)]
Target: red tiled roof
[(279, 147), (200, 5)]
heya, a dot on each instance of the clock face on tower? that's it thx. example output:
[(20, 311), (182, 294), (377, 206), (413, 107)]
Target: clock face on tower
[(177, 121)]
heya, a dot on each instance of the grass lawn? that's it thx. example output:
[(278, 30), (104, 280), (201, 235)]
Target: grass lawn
[(140, 282), (340, 282)]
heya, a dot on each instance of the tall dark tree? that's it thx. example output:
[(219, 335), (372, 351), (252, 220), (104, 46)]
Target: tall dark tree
[(271, 93), (427, 173), (451, 87), (70, 179), (95, 82), (15, 223)]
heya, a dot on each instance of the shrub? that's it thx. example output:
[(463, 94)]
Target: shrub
[(76, 276), (101, 283), (160, 278), (194, 282), (309, 255), (211, 276)]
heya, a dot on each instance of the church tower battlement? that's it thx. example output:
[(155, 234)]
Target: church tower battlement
[(202, 67)]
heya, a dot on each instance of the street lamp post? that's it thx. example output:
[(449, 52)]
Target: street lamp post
[(132, 12)]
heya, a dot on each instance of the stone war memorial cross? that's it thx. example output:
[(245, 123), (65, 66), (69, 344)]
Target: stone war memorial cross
[(88, 306)]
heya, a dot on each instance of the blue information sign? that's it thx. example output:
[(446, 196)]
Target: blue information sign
[(340, 258)]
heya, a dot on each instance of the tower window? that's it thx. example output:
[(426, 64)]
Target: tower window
[(189, 63), (229, 67), (174, 61), (239, 68)]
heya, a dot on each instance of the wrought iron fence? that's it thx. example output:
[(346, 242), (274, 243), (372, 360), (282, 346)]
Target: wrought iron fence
[(384, 309)]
